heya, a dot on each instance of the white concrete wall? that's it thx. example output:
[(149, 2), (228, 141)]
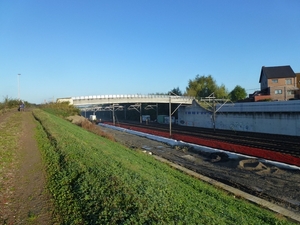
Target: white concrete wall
[(272, 106), (273, 123), (195, 116), (285, 123)]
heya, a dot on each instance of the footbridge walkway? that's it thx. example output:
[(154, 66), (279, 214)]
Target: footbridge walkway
[(104, 102)]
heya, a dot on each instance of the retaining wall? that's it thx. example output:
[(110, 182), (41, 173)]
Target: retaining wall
[(272, 118)]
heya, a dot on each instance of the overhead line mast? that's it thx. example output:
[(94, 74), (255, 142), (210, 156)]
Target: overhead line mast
[(211, 101)]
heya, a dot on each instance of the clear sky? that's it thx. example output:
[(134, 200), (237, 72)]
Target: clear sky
[(75, 48)]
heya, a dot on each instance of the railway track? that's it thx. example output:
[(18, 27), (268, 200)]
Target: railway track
[(278, 143)]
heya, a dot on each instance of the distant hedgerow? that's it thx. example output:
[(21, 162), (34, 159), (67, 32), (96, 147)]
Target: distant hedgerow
[(61, 109)]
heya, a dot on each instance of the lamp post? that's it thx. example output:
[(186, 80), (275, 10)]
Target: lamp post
[(19, 86)]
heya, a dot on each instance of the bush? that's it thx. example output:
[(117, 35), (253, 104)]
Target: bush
[(10, 103), (61, 109)]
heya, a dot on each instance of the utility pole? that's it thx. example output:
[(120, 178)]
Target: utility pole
[(213, 107), (114, 119), (214, 114), (141, 121), (170, 114)]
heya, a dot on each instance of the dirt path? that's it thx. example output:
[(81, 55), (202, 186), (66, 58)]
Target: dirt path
[(27, 202)]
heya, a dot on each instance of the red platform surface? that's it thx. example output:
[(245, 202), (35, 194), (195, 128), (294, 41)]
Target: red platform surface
[(251, 151)]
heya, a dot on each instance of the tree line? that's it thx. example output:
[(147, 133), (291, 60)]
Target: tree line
[(203, 86)]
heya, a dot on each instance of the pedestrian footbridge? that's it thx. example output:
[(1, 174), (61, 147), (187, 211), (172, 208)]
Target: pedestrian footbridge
[(98, 100)]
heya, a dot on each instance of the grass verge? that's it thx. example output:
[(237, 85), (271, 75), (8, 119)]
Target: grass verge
[(9, 129), (96, 181)]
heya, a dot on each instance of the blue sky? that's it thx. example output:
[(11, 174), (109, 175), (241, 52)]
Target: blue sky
[(78, 48)]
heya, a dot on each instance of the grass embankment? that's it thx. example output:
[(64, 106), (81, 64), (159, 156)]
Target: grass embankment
[(9, 129), (96, 181)]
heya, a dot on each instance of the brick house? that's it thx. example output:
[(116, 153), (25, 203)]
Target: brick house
[(277, 83), (298, 85)]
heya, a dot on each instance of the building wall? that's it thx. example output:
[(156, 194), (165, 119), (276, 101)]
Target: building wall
[(263, 82), (280, 90), (261, 97), (287, 93), (276, 122), (298, 85), (298, 80)]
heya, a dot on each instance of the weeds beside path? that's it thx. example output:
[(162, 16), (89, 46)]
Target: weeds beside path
[(23, 194)]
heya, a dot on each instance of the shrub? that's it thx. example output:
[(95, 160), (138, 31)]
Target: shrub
[(61, 109)]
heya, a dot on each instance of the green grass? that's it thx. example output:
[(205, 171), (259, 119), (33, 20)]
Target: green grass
[(31, 217), (96, 181), (62, 109), (8, 144)]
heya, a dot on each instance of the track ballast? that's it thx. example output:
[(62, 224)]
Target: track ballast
[(278, 143)]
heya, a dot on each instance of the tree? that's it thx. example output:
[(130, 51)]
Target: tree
[(176, 91), (221, 92), (238, 93), (203, 86)]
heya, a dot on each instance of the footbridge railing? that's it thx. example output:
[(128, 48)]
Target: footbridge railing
[(124, 99)]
